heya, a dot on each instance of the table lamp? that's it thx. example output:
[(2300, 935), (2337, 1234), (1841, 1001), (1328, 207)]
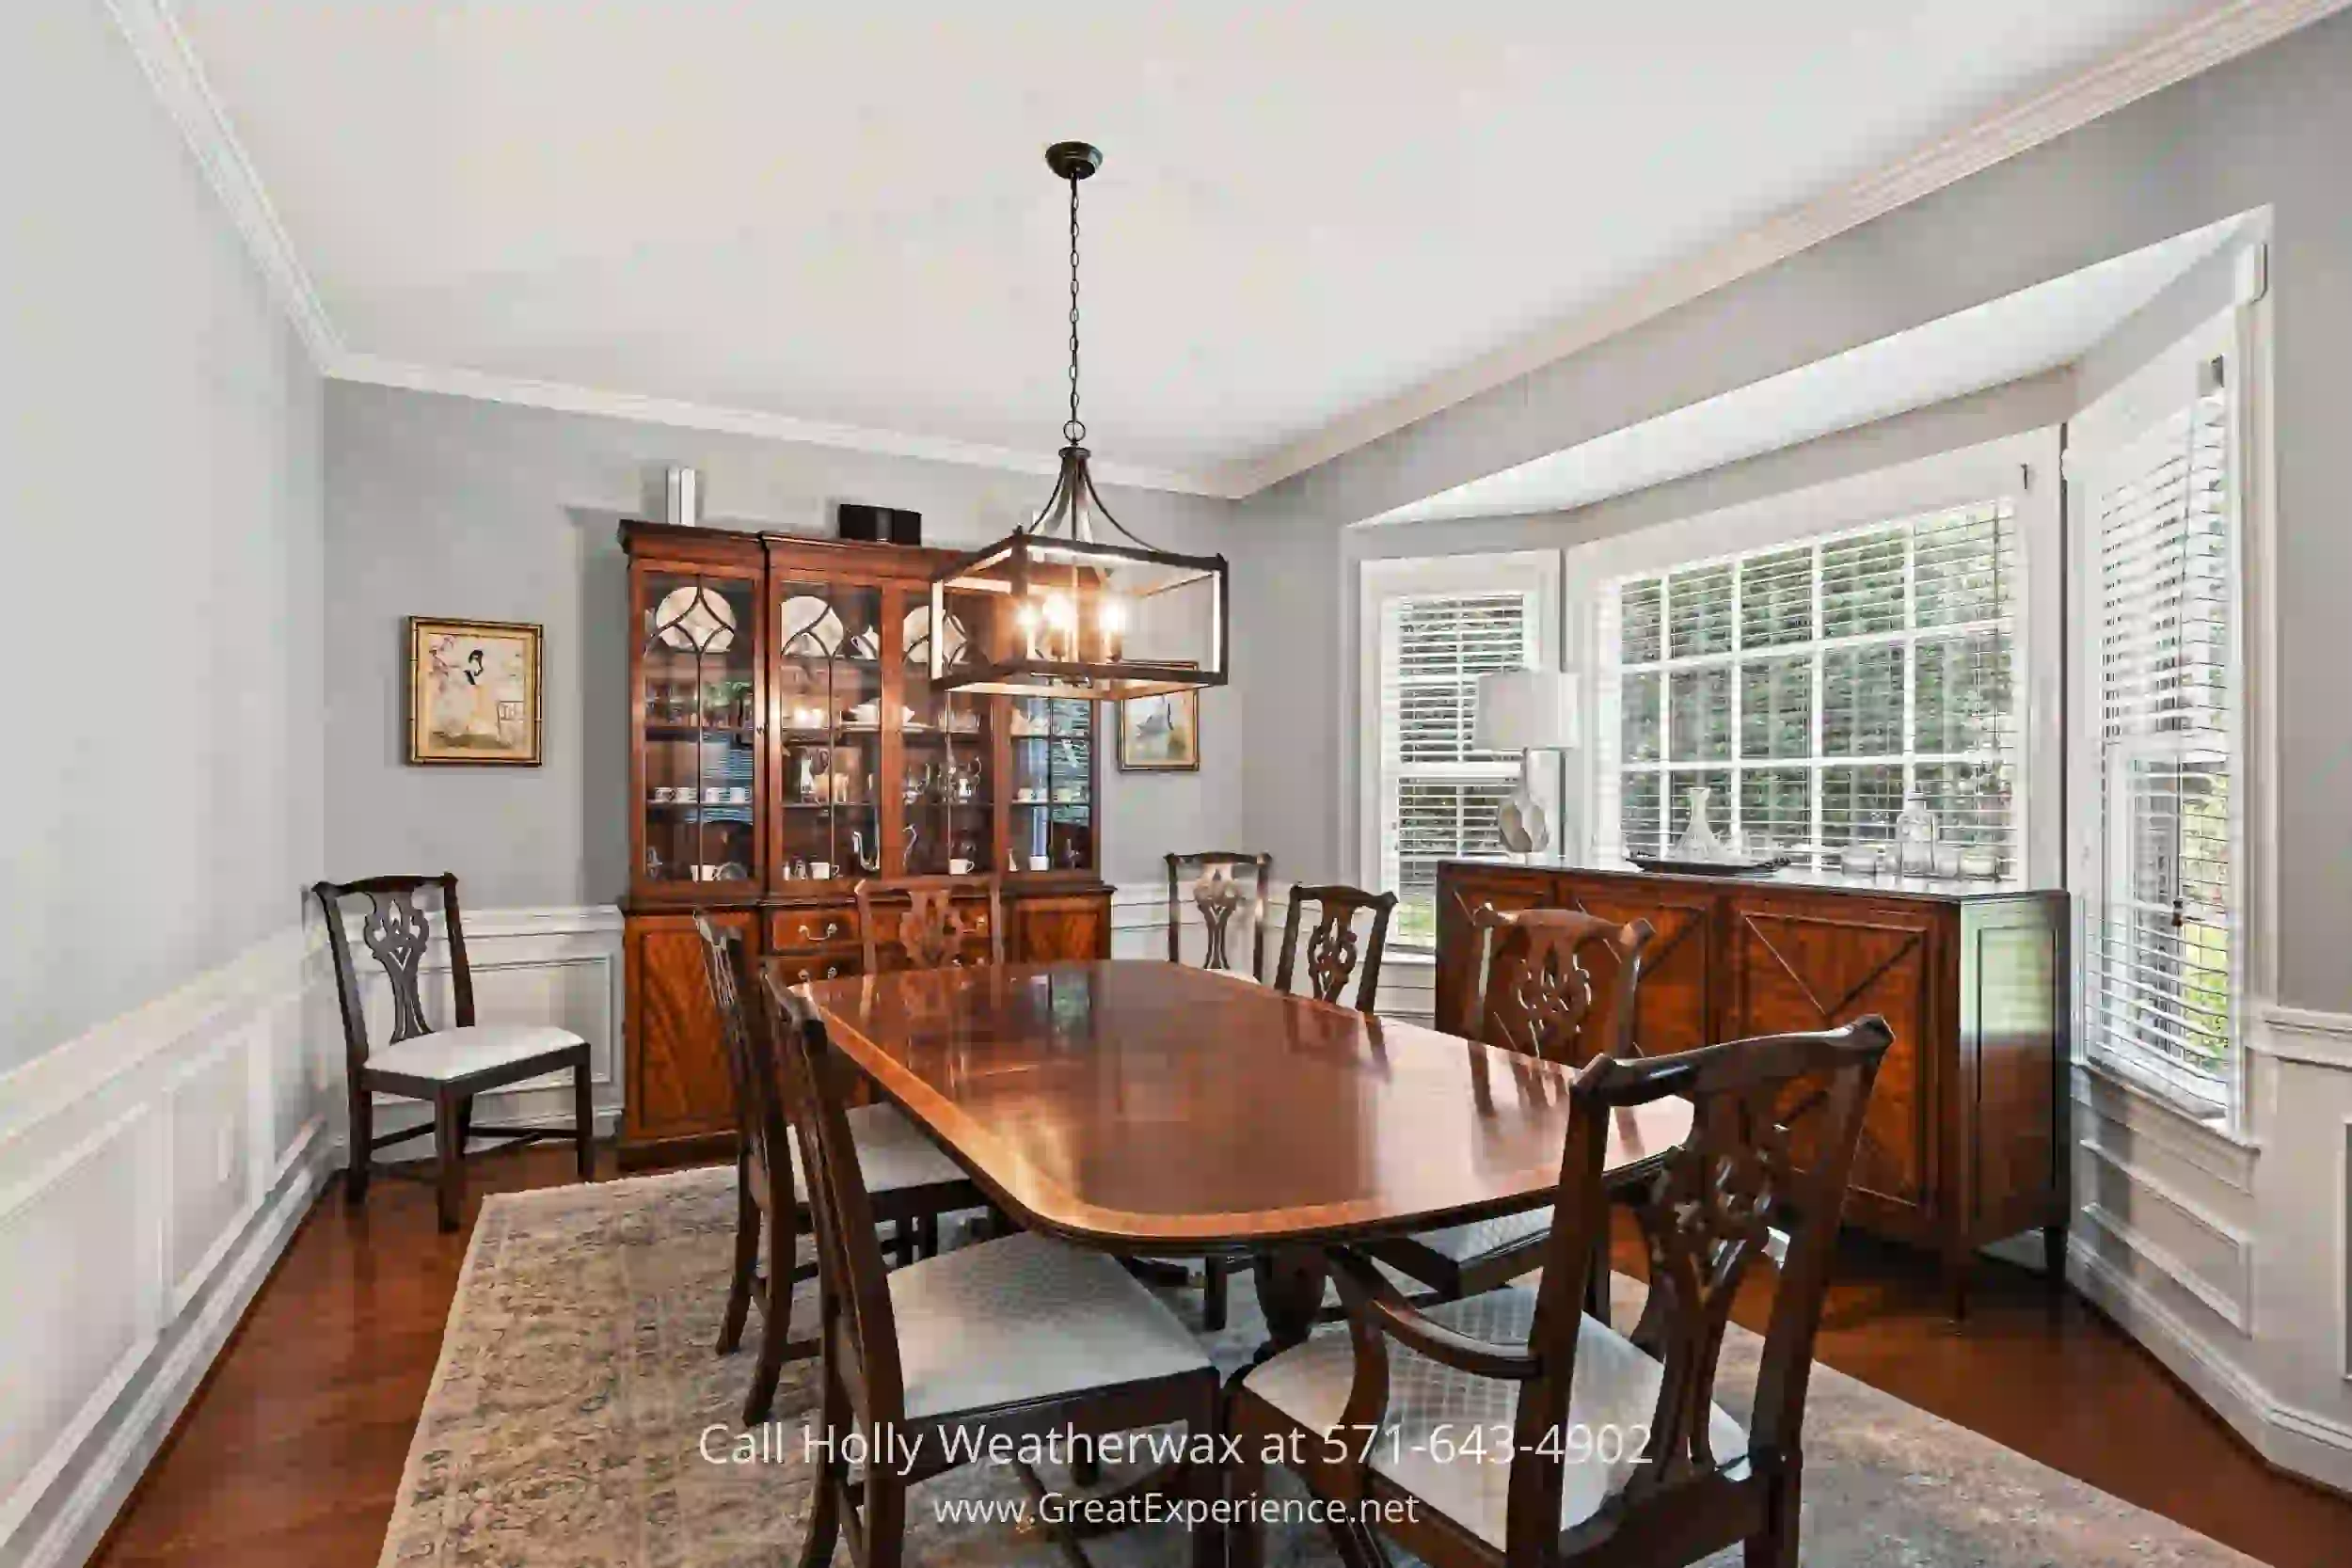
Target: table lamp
[(1525, 711)]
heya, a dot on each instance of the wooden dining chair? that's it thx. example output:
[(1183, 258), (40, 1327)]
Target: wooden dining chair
[(913, 1182), (446, 1067), (1335, 953), (1219, 894), (1618, 1453), (918, 922), (1562, 985), (1012, 1337)]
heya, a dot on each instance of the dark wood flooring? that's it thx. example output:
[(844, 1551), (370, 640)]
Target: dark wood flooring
[(291, 1451)]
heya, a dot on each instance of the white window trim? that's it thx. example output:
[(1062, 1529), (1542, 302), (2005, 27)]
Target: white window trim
[(2242, 337), (2021, 469), (1383, 579)]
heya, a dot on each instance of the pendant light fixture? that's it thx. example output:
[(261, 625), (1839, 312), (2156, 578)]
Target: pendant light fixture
[(1050, 610)]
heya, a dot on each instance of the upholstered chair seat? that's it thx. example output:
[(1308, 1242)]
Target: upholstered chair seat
[(1446, 1435), (891, 1153), (447, 1053), (1024, 1318), (1461, 1242)]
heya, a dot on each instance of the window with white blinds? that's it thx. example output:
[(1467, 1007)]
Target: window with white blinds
[(1814, 686), (1438, 794), (2161, 904)]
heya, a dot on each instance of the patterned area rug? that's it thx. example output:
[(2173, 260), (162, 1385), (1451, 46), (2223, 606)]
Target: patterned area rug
[(565, 1426)]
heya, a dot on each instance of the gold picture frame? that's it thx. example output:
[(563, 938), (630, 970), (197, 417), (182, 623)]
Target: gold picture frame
[(1160, 734), (473, 692)]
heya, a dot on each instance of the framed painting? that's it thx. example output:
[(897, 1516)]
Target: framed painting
[(473, 692), (1160, 734)]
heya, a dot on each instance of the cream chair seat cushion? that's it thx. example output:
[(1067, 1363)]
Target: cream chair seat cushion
[(1431, 1404), (891, 1151), (1025, 1317), (447, 1053), (1462, 1243)]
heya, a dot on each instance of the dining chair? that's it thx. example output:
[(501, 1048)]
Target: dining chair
[(1618, 1452), (913, 1182), (446, 1067), (1335, 954), (1562, 985), (1022, 1334), (918, 921), (1219, 894)]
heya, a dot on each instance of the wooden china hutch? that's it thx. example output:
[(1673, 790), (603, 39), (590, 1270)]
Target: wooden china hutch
[(786, 740)]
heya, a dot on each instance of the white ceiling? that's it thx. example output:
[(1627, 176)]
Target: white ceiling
[(2023, 334), (838, 212)]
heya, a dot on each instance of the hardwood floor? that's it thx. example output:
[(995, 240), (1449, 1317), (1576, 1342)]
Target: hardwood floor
[(290, 1453)]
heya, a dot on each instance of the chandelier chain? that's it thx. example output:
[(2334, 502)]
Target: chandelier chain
[(1074, 431)]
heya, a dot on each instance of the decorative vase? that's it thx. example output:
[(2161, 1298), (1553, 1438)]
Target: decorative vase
[(1915, 839), (1698, 841), (1520, 821)]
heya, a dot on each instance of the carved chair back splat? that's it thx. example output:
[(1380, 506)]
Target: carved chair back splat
[(1704, 1212), (1334, 952), (930, 927), (1219, 896), (1559, 984)]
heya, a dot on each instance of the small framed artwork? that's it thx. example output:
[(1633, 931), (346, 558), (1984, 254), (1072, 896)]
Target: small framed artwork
[(473, 692), (1160, 734)]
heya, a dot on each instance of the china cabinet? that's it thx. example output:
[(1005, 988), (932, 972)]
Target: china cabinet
[(786, 739)]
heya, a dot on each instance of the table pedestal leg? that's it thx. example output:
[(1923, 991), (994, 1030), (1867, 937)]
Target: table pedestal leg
[(1289, 1291)]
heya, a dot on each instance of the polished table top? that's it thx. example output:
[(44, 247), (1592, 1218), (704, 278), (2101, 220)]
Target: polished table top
[(1142, 1104)]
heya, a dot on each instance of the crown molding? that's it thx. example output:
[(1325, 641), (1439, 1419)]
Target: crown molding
[(2157, 61), (163, 53), (374, 371)]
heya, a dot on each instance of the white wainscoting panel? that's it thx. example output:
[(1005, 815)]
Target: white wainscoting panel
[(150, 1172)]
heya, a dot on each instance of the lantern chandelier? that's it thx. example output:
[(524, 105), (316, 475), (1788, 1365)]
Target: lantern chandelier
[(1049, 611)]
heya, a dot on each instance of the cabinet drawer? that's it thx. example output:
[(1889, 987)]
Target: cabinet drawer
[(810, 930), (797, 968)]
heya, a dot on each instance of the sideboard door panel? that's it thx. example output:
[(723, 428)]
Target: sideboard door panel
[(1676, 998), (677, 1084), (1804, 966), (1057, 929)]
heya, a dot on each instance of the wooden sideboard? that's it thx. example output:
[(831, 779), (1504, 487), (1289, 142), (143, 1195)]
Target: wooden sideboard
[(786, 740), (1964, 1141)]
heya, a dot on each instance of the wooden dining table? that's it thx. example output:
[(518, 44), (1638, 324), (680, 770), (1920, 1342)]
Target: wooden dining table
[(1149, 1109)]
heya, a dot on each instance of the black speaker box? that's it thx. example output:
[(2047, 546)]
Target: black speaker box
[(881, 524)]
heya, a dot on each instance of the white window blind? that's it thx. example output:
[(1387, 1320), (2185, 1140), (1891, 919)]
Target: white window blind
[(1813, 685), (1438, 794), (2161, 908)]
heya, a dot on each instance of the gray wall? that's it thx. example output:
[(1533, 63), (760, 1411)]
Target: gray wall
[(2267, 130), (159, 512), (452, 506)]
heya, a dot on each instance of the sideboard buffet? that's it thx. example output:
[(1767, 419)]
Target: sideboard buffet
[(1963, 1141), (785, 741)]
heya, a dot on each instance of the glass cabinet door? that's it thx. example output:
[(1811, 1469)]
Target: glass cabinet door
[(829, 724), (701, 735), (947, 787), (1053, 783)]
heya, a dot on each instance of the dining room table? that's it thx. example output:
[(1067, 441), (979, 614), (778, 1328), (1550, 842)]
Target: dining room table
[(1152, 1110)]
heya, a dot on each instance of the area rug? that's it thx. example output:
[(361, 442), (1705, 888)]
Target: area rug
[(578, 1389)]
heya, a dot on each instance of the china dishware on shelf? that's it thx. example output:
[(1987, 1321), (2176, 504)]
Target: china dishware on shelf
[(915, 631), (811, 628), (820, 870), (865, 645), (959, 867)]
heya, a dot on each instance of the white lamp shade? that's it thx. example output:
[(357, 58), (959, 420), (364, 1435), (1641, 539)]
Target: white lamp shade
[(1526, 711)]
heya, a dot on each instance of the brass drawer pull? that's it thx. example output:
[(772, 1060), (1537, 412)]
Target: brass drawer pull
[(810, 933), (832, 971)]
